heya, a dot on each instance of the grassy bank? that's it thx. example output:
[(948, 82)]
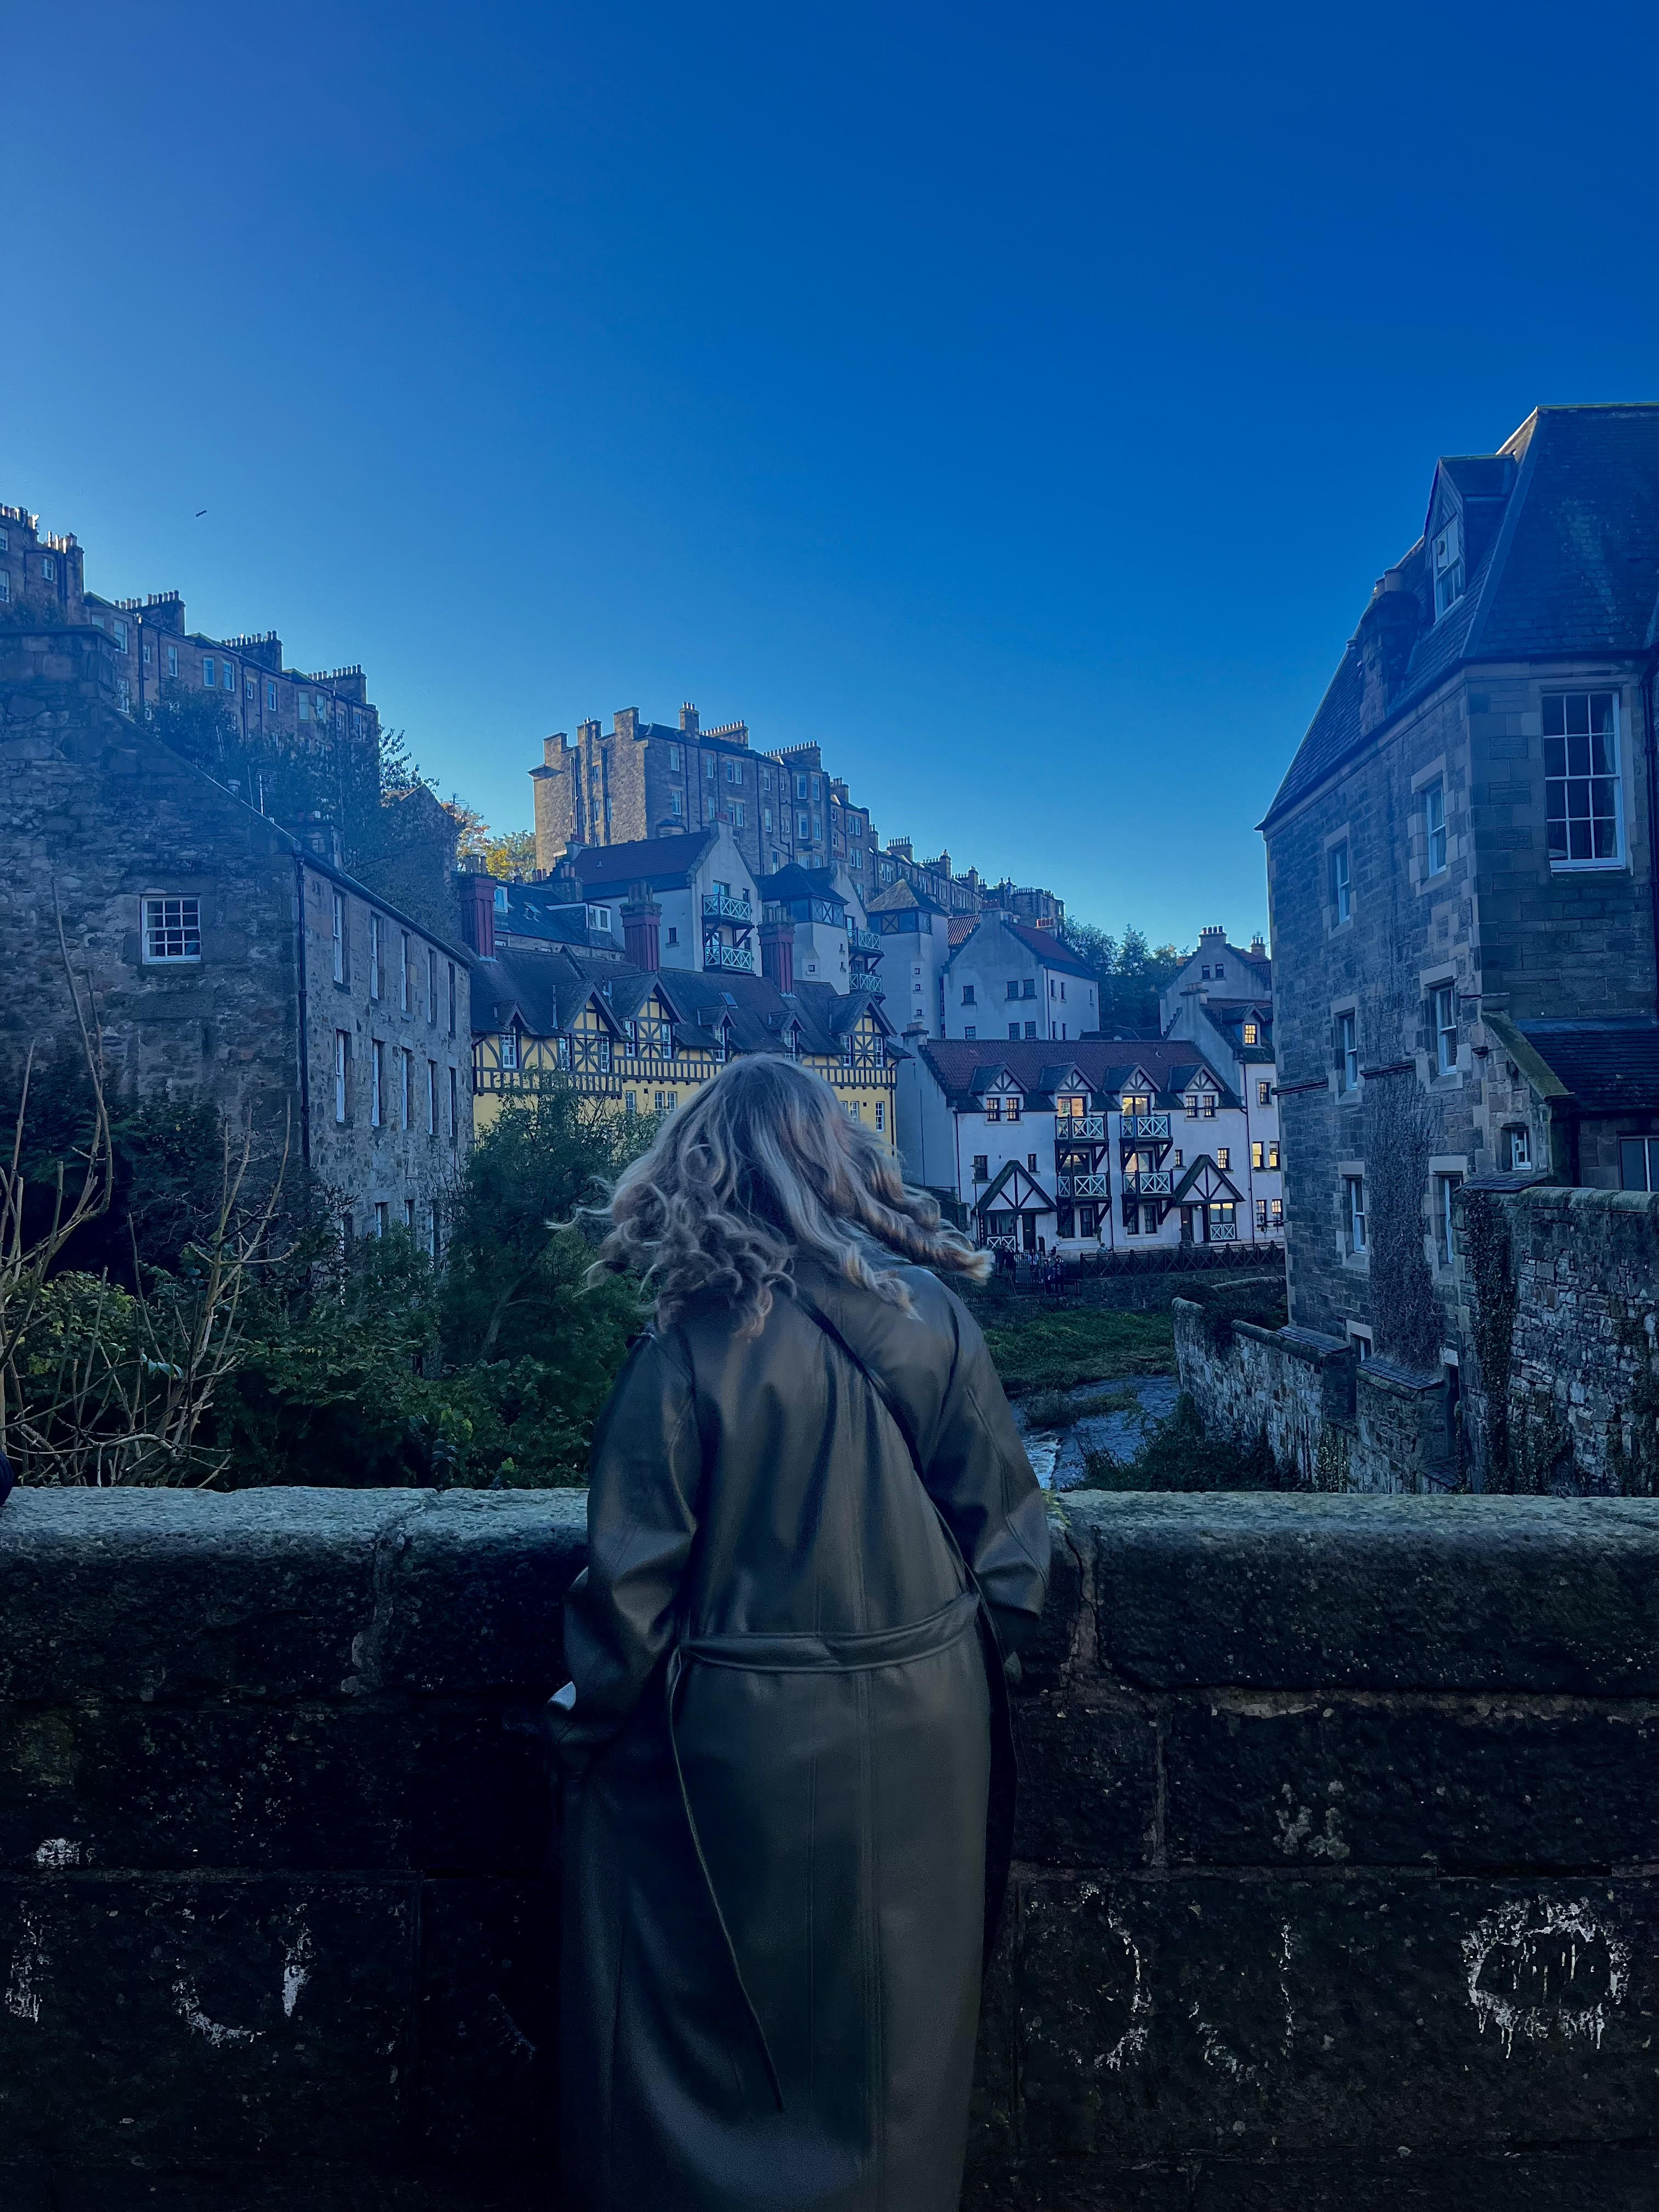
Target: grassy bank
[(1038, 1345)]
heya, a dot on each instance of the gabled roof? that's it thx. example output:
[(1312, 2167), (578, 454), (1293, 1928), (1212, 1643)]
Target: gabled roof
[(900, 896), (655, 860), (961, 928), (795, 881), (965, 1067), (1570, 570), (1016, 1187), (1051, 950), (1206, 1183)]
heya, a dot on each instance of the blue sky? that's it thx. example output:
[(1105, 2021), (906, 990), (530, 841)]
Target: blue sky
[(1019, 402)]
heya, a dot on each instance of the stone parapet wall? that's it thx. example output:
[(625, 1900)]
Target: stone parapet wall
[(1573, 1277), (1334, 1886)]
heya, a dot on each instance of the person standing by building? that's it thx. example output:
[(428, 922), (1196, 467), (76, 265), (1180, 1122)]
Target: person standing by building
[(815, 1546)]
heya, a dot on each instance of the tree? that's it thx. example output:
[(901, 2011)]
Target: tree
[(506, 854)]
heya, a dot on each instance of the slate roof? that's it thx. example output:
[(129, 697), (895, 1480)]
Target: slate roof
[(1571, 569), (1609, 1067), (903, 894), (548, 989), (965, 1066), (658, 861), (1049, 947), (795, 881)]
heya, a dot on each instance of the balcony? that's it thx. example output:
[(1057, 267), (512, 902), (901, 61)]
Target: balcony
[(1224, 1232), (1158, 1182), (864, 940), (1078, 1126), (737, 959), (1140, 1127), (718, 906), (1083, 1186)]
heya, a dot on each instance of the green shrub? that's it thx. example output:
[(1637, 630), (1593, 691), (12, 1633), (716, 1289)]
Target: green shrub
[(1176, 1455)]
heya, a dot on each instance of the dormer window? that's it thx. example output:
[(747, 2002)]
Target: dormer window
[(1447, 556)]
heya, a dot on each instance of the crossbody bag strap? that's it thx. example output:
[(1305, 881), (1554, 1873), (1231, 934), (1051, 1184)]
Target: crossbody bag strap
[(900, 1417)]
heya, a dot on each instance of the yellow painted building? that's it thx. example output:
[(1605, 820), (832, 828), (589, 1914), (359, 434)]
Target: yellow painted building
[(647, 1041)]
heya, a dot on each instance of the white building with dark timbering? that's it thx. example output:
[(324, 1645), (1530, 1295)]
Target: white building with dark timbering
[(1079, 1147)]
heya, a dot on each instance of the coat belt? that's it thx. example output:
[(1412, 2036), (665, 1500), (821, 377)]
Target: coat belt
[(795, 1652)]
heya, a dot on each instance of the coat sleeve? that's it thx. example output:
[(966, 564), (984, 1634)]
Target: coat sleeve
[(982, 1480), (641, 1520)]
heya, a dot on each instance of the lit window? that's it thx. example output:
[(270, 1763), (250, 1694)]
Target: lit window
[(1264, 1092), (1581, 776), (1251, 1033), (994, 1110), (172, 930), (1341, 890), (1443, 1005), (1223, 1158), (1434, 819), (1258, 1155), (1354, 1204), (1273, 1155)]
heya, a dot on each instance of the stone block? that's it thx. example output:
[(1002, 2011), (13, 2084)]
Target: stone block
[(1612, 2181), (489, 2019), (1352, 2014), (371, 1783), (205, 2020), (1461, 1784), (132, 1593), (1088, 1793), (1311, 1592), (475, 1591)]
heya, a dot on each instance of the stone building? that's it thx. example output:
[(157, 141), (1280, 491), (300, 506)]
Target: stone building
[(1461, 872), (1096, 1144), (226, 958), (44, 577), (642, 780)]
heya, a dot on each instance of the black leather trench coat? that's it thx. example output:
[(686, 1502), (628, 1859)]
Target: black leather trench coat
[(780, 1750)]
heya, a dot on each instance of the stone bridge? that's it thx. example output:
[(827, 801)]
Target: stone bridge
[(1336, 1882)]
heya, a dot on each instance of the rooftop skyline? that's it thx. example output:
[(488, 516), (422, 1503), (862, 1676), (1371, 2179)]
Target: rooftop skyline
[(1020, 410)]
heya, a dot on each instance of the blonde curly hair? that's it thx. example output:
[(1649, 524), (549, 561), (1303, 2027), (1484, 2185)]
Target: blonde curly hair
[(763, 1164)]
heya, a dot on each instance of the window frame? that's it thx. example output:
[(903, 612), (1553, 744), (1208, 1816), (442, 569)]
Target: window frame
[(1347, 1052), (1354, 1232), (1565, 864), (1436, 836), (185, 929), (1444, 1025)]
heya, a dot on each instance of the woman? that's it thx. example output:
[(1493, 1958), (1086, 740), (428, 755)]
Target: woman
[(812, 1533)]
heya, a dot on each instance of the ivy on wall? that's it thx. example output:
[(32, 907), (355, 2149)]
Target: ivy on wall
[(1489, 1267)]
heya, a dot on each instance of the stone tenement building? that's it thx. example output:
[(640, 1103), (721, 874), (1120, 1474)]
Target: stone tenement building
[(44, 578), (1460, 870), (228, 959), (645, 780)]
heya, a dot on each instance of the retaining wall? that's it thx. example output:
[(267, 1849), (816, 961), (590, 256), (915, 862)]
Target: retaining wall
[(1338, 1880)]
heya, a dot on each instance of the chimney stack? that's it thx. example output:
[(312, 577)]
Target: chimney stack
[(478, 902), (641, 916), (1388, 631), (688, 719), (778, 953)]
